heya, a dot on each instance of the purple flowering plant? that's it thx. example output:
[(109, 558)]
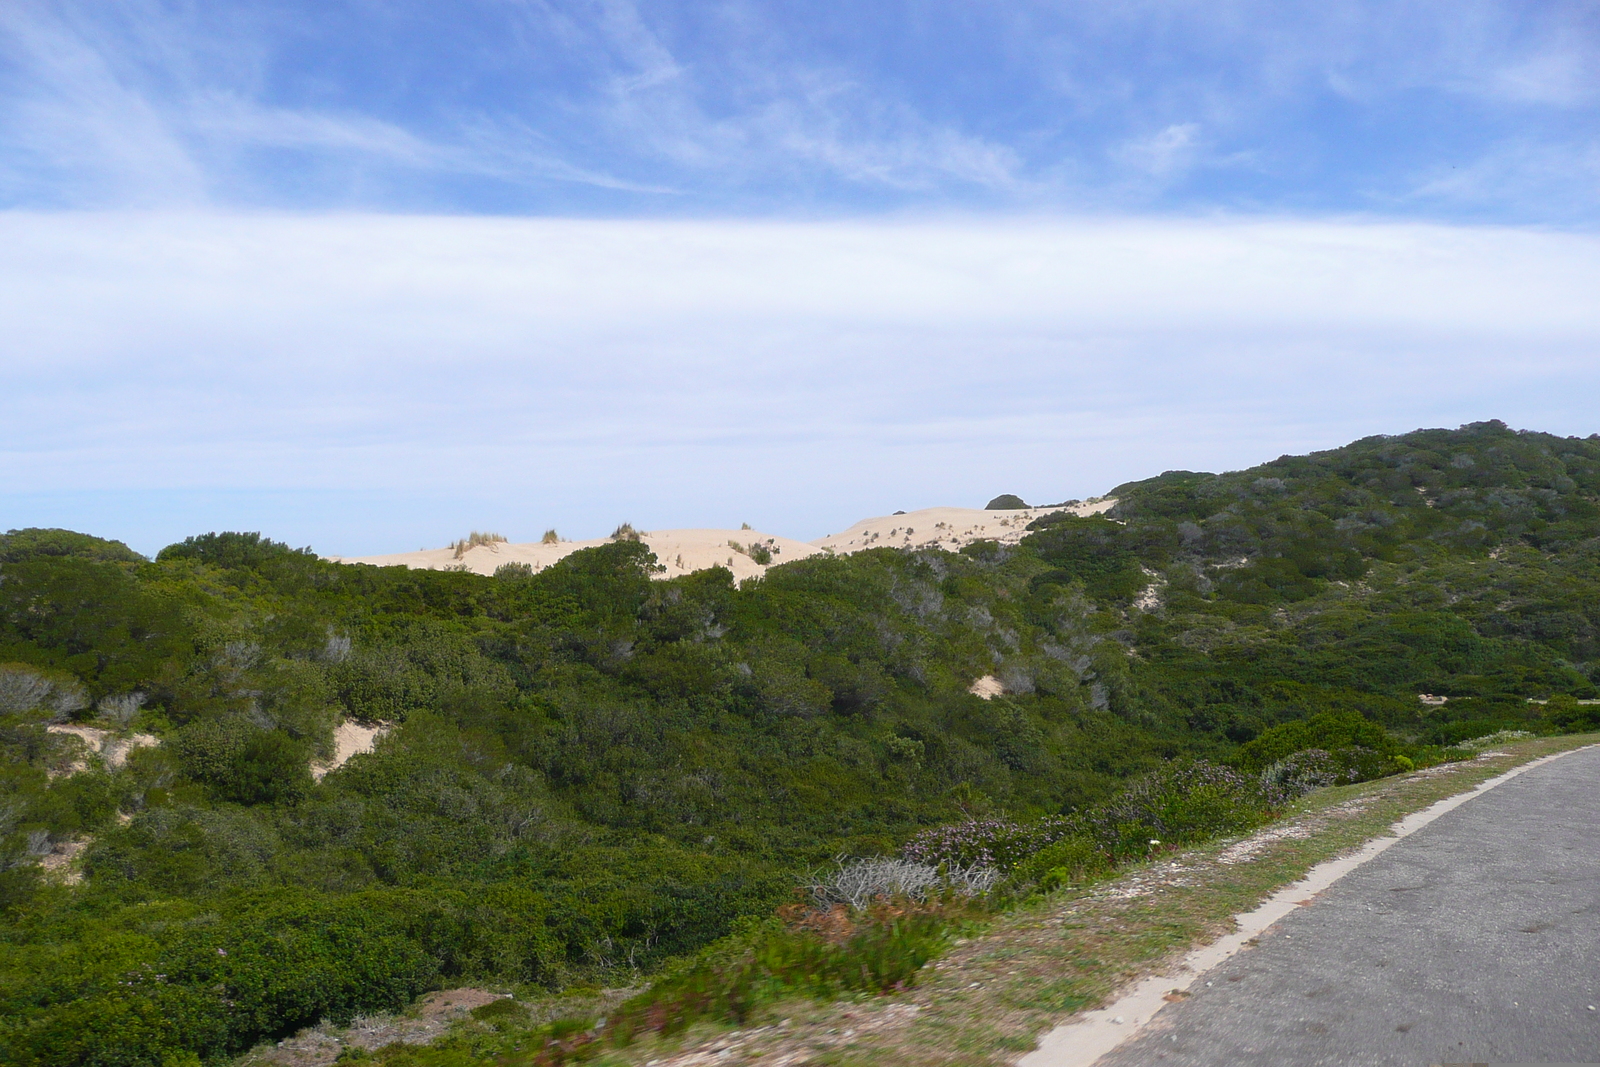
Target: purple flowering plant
[(1001, 843)]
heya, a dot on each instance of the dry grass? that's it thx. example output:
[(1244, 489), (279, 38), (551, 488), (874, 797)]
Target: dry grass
[(626, 532), (550, 538), (474, 540), (987, 1000), (429, 1019)]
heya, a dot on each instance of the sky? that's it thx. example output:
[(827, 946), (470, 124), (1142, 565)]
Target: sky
[(367, 275)]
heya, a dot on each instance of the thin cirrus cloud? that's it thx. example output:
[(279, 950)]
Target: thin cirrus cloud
[(640, 108)]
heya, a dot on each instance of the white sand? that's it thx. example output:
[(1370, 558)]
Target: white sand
[(683, 551), (350, 739), (988, 687), (111, 747), (680, 551), (947, 528)]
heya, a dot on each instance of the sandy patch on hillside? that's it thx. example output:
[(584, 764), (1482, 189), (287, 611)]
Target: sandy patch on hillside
[(679, 551), (60, 862), (947, 528), (988, 687), (110, 746), (350, 739)]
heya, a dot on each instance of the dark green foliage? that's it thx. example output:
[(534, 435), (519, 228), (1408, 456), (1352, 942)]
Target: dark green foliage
[(1330, 731), (241, 762), (1177, 804), (1074, 858), (230, 550), (589, 772), (24, 546), (1005, 502)]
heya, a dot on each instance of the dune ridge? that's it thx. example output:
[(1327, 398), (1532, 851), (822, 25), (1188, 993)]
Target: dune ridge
[(684, 551)]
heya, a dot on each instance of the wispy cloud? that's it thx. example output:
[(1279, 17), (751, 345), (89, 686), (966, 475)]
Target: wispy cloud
[(1516, 173), (71, 125), (627, 106), (1564, 77), (1164, 154)]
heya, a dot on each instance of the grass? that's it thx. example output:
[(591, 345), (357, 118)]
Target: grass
[(990, 997), (473, 540)]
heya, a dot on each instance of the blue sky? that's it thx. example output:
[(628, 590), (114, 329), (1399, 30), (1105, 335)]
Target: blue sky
[(1458, 109), (368, 275)]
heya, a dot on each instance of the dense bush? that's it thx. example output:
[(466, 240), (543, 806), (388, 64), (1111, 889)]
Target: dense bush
[(21, 546), (1182, 802), (1564, 712), (1070, 859), (1300, 773), (590, 772), (1330, 731), (1001, 843)]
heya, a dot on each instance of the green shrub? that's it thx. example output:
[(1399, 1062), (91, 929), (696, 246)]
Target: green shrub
[(876, 952), (1454, 733), (1182, 802), (1499, 737), (1001, 843), (1565, 713), (22, 546), (1299, 773), (502, 1010), (1329, 731), (231, 550), (243, 763), (1069, 860)]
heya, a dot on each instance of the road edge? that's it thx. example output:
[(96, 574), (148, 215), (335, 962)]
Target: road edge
[(1092, 1034)]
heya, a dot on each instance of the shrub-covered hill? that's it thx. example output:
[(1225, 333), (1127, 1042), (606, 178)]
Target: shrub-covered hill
[(1462, 563), (590, 771)]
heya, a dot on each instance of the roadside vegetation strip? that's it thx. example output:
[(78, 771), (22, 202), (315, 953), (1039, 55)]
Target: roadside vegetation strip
[(989, 999)]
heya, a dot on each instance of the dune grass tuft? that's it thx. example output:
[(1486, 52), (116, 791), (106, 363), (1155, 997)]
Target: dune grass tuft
[(474, 540)]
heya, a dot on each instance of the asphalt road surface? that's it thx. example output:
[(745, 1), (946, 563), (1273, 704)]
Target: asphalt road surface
[(1474, 940)]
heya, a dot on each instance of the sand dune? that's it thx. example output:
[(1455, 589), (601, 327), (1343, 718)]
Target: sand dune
[(947, 528), (682, 551)]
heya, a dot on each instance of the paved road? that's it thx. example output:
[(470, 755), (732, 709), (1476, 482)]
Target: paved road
[(1476, 939)]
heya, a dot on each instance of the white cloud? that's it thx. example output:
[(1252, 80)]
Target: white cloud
[(1164, 154), (796, 376), (1517, 173), (1565, 78), (740, 106), (79, 122)]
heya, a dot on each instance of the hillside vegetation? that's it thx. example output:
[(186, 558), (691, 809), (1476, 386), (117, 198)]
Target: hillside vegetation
[(591, 773)]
